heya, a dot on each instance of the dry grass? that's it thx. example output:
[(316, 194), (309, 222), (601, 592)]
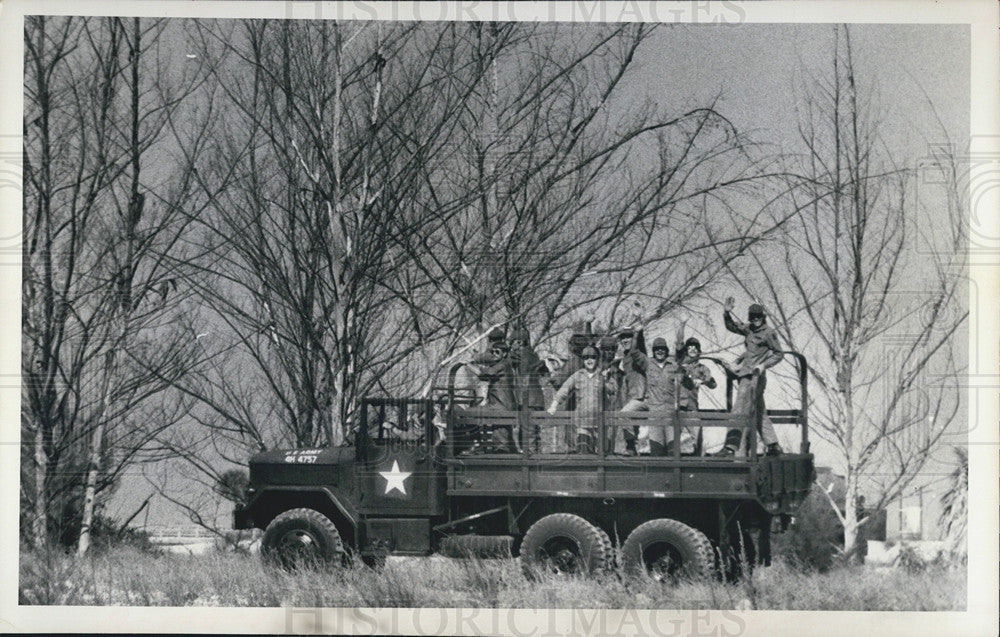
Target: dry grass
[(128, 577)]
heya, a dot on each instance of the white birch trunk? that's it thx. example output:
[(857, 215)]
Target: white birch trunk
[(39, 525), (94, 461)]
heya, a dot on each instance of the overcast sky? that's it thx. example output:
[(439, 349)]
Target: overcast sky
[(757, 68)]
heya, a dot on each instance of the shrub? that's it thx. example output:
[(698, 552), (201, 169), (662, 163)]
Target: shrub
[(813, 539), (107, 534), (909, 559), (232, 485)]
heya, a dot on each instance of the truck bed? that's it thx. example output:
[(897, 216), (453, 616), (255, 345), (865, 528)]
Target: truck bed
[(768, 479), (777, 482)]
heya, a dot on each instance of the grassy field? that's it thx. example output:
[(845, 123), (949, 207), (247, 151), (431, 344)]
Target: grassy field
[(128, 577)]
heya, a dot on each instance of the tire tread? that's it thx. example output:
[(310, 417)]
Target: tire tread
[(568, 524), (697, 543), (324, 524)]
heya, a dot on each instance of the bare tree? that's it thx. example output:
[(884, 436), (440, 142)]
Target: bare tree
[(846, 285), (392, 191), (326, 131), (581, 197), (98, 290)]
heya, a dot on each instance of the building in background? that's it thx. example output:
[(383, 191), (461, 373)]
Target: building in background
[(913, 520)]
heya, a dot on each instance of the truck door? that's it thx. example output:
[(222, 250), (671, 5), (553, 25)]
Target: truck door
[(399, 459)]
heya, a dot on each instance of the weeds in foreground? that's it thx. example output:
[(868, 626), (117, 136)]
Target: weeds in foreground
[(129, 577)]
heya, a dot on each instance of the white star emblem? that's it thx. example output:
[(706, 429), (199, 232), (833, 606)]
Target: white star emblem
[(394, 479)]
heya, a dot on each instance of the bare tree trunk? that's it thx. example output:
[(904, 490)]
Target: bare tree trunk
[(851, 522), (90, 490), (39, 525), (94, 461), (123, 305)]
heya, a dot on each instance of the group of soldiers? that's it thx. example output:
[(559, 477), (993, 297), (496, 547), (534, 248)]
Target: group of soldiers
[(617, 375)]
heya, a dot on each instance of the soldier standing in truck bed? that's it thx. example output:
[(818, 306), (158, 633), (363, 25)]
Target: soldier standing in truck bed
[(633, 365), (591, 387), (694, 376), (577, 343), (562, 439), (762, 352), (494, 337), (498, 371), (607, 348), (528, 370), (661, 381)]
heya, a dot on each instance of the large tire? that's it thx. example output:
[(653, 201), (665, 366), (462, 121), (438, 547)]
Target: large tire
[(301, 537), (564, 543), (667, 549), (609, 549)]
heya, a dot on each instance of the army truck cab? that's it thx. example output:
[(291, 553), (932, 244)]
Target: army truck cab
[(408, 486)]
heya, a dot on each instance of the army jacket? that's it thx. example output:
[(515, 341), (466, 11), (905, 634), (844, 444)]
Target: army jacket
[(762, 347)]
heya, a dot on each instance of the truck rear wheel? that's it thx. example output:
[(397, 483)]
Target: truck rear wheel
[(301, 537), (667, 549), (564, 543)]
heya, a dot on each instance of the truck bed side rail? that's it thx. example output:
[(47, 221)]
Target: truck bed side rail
[(527, 426), (530, 427)]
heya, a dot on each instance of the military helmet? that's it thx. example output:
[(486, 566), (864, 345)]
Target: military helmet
[(692, 341), (660, 343), (756, 310), (589, 352)]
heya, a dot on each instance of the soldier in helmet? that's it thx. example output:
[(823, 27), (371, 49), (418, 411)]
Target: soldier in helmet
[(498, 371), (576, 345), (694, 376), (557, 441), (496, 335), (528, 370), (661, 382), (496, 338), (632, 396), (592, 387), (607, 347), (762, 352)]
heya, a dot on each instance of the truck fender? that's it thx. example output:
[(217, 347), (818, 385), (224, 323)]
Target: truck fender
[(269, 502)]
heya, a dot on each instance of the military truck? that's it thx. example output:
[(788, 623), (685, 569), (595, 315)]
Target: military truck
[(409, 486)]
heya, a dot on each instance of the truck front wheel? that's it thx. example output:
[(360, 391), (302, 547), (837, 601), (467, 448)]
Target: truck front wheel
[(564, 543), (301, 537), (667, 549)]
